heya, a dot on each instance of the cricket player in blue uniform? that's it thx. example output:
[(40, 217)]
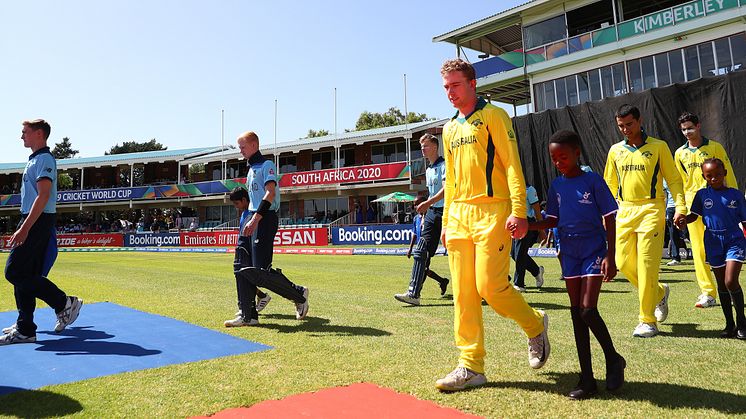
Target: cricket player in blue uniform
[(253, 260), (722, 209), (432, 208), (32, 249)]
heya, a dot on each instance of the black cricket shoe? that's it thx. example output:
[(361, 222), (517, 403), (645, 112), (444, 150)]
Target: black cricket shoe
[(615, 374), (584, 390)]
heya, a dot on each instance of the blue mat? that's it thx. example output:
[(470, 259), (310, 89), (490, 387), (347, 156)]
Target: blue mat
[(108, 339)]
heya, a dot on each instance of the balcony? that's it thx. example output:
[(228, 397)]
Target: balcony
[(671, 16)]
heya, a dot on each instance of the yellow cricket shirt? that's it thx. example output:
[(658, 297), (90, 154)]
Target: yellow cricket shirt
[(689, 163), (636, 174), (482, 163)]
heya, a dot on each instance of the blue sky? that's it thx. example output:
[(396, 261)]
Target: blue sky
[(105, 72)]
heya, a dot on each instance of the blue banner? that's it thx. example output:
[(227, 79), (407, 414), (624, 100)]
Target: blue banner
[(372, 234), (152, 239), (118, 194)]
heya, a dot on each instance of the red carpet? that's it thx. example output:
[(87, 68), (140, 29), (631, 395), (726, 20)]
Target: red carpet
[(359, 401)]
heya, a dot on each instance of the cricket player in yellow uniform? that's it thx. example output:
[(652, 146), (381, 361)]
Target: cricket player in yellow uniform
[(484, 205), (689, 158), (635, 169)]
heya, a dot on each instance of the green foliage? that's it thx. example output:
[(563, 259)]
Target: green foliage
[(356, 332), (196, 168), (393, 116), (64, 149), (135, 147), (319, 133), (64, 181)]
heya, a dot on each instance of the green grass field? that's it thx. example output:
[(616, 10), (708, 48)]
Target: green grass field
[(356, 332)]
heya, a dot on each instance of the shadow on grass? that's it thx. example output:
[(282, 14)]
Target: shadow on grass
[(563, 290), (675, 271), (663, 395), (690, 330), (36, 403), (318, 325)]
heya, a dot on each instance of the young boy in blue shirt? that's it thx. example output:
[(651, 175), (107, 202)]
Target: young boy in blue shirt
[(577, 203), (722, 209)]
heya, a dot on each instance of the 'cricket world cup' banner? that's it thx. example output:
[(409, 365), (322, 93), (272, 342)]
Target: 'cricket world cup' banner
[(119, 194), (372, 234), (90, 240), (152, 239), (345, 175)]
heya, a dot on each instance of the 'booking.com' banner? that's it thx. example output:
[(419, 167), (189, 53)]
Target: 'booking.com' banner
[(374, 234)]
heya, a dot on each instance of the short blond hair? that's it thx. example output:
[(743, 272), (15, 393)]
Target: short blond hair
[(248, 136), (39, 124), (457, 64)]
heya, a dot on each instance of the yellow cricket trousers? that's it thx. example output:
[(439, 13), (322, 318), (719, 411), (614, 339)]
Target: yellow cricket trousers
[(479, 256), (705, 280), (639, 247)]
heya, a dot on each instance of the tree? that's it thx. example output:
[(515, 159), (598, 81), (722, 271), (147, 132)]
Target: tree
[(64, 180), (135, 147), (369, 120), (319, 133), (64, 150)]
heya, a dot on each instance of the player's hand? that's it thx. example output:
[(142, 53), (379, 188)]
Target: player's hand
[(608, 268), (443, 237), (251, 226), (409, 255), (423, 207), (517, 227), (679, 220), (18, 238)]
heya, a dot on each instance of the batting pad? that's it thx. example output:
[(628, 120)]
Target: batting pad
[(108, 339)]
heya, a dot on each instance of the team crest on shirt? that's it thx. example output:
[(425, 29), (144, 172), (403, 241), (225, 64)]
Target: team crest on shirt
[(647, 154), (502, 246), (708, 203), (585, 198), (732, 205), (477, 123), (511, 134), (254, 187), (271, 171), (703, 153)]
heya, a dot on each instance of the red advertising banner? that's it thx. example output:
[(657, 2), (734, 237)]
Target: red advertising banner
[(90, 240), (345, 175), (284, 237)]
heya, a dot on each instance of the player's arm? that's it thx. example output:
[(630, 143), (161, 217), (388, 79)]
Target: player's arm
[(501, 129), (696, 209), (549, 222), (448, 187), (679, 165), (411, 242), (675, 185), (552, 213), (608, 265), (422, 208), (611, 174), (44, 187)]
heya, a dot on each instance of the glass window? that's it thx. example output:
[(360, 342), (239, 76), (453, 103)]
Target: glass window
[(387, 153), (676, 64), (584, 94), (620, 80), (545, 32), (287, 164), (738, 48), (606, 82), (549, 95), (691, 58), (648, 73), (539, 97), (706, 59), (722, 51), (635, 75), (594, 84), (347, 157), (572, 90), (559, 86), (661, 69), (322, 160)]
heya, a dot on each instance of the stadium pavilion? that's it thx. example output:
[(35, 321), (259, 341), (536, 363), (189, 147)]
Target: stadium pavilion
[(554, 53), (321, 178)]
